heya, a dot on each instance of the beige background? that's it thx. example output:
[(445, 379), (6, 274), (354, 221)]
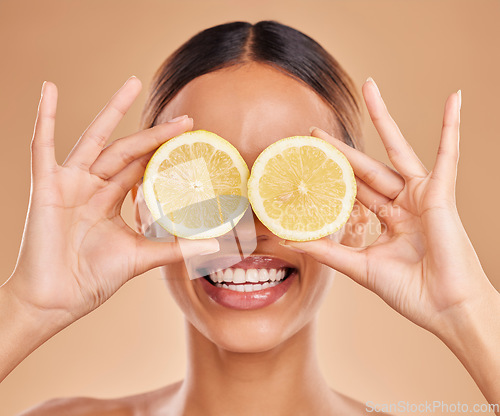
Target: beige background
[(418, 52)]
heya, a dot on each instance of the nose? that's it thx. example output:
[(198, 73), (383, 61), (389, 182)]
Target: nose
[(242, 236), (261, 231), (245, 235)]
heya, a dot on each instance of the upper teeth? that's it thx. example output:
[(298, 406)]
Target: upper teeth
[(248, 275)]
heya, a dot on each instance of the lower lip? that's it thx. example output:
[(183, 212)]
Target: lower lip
[(247, 300)]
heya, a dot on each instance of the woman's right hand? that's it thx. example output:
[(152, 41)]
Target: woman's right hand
[(76, 249)]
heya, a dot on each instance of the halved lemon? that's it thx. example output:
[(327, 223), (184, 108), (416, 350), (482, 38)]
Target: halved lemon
[(302, 188), (195, 185)]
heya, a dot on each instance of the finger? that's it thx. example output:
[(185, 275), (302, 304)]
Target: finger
[(123, 181), (347, 260), (374, 173), (124, 151), (42, 142), (445, 168), (151, 254), (398, 149), (127, 178), (95, 136), (369, 197)]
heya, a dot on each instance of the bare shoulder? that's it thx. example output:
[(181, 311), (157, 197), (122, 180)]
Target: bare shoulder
[(79, 406), (350, 406), (156, 402), (149, 403)]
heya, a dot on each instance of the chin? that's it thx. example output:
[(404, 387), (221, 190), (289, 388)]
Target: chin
[(251, 332), (255, 304)]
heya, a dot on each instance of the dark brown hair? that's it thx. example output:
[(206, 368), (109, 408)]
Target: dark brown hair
[(267, 42)]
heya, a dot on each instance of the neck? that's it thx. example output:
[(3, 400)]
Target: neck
[(283, 380)]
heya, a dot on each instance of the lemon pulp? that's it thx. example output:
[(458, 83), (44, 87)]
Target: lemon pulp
[(302, 188), (195, 185)]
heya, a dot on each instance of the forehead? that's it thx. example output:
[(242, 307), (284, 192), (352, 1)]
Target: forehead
[(251, 106)]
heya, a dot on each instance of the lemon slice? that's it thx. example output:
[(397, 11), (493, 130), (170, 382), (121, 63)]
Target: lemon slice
[(302, 188), (195, 185)]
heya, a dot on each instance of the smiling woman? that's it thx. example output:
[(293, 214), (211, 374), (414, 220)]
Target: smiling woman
[(250, 326), (246, 94)]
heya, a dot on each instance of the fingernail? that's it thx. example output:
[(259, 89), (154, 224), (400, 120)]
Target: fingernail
[(174, 120), (199, 247), (459, 92), (43, 87), (370, 79), (314, 127), (284, 244), (214, 248)]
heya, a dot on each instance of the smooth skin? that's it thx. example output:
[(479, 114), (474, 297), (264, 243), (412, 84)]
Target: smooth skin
[(76, 249), (249, 354), (423, 264), (448, 294)]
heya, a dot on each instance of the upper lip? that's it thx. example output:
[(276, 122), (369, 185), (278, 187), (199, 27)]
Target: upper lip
[(250, 262)]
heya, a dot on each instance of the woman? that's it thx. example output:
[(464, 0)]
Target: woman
[(252, 84)]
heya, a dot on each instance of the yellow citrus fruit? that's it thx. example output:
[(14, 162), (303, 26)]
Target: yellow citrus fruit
[(195, 185), (302, 188)]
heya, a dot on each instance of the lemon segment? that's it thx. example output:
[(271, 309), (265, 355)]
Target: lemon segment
[(195, 185), (302, 188)]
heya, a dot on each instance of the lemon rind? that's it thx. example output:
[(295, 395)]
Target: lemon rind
[(256, 200), (190, 137)]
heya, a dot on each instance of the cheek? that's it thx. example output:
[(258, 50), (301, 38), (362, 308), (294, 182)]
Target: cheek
[(173, 274), (317, 283)]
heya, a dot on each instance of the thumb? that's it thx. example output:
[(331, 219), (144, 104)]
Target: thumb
[(350, 261), (151, 254)]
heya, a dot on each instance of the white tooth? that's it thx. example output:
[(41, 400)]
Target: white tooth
[(280, 274), (228, 275), (248, 287), (220, 276), (240, 288), (218, 285), (263, 275), (252, 275), (272, 284), (231, 287), (265, 285), (225, 286), (239, 276), (213, 277), (272, 275), (257, 287)]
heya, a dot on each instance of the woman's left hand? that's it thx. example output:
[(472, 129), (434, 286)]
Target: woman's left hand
[(423, 264)]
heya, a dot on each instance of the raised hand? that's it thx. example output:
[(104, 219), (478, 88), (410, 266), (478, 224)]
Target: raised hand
[(76, 249), (423, 264)]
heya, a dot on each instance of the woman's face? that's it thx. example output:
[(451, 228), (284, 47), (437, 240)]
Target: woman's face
[(252, 106)]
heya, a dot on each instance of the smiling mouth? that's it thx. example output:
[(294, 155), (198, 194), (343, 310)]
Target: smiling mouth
[(255, 282), (247, 280)]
